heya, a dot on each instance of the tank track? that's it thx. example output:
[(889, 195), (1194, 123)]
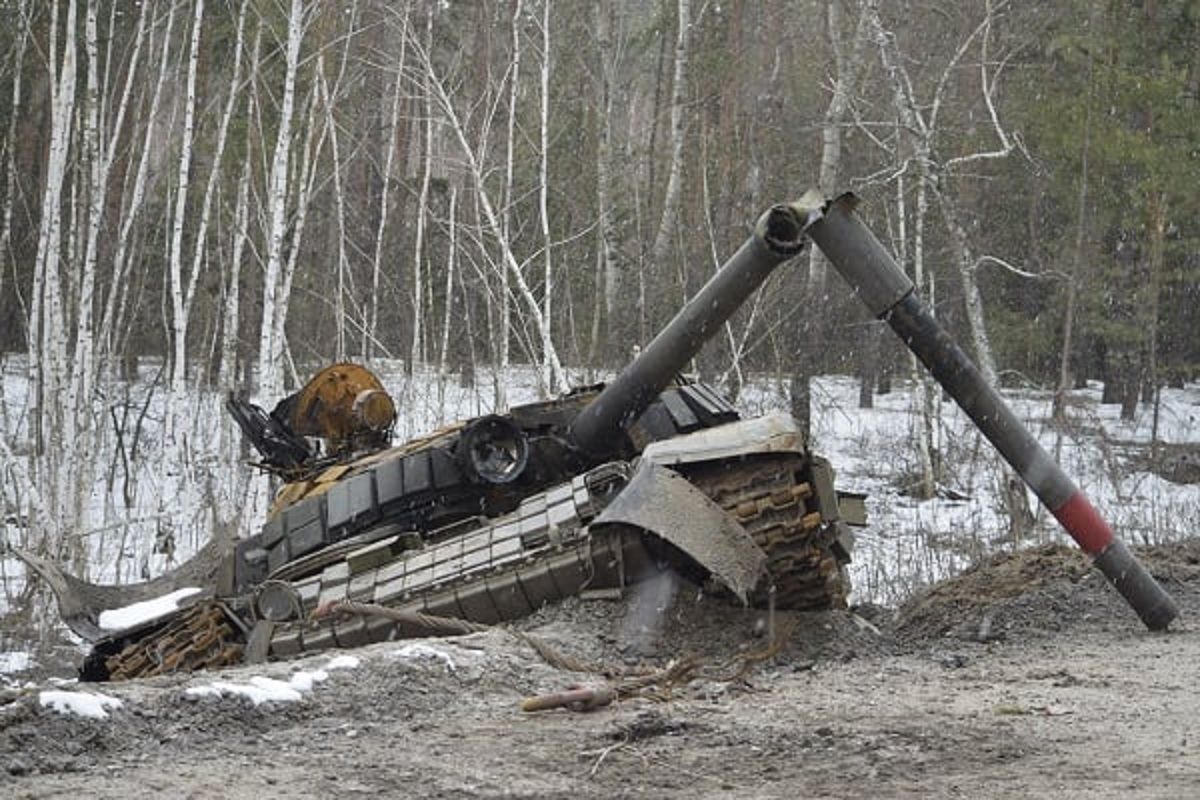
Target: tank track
[(201, 638), (772, 496)]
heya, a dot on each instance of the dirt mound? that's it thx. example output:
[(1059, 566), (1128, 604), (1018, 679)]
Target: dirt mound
[(1039, 591), (671, 618)]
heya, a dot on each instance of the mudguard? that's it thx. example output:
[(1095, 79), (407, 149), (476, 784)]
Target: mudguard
[(80, 603), (661, 502)]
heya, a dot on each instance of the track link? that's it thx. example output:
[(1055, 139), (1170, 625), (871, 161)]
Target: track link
[(201, 638), (771, 495)]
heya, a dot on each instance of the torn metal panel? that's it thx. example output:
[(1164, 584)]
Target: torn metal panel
[(664, 503), (774, 433), (80, 603)]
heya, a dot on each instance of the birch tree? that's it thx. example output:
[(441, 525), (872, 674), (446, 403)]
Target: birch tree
[(270, 347), (181, 286), (848, 67), (548, 378), (444, 104), (370, 336), (608, 274), (514, 79), (669, 219)]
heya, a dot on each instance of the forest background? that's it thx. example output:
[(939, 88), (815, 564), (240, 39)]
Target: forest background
[(238, 191)]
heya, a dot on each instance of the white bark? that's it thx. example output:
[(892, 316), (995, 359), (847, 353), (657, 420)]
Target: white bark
[(848, 68), (305, 183), (100, 159), (47, 333), (339, 299), (475, 171), (10, 161), (179, 303), (230, 318), (606, 232), (502, 358), (417, 351), (547, 382), (118, 290), (370, 336), (330, 99), (451, 256), (231, 103), (270, 347), (670, 211)]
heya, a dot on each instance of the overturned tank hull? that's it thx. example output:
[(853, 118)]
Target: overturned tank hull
[(743, 509), (486, 520)]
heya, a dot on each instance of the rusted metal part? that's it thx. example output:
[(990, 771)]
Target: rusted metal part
[(80, 602), (203, 637), (660, 501), (577, 698), (772, 497)]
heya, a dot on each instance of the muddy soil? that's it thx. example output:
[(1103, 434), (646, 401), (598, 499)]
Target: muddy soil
[(1024, 677)]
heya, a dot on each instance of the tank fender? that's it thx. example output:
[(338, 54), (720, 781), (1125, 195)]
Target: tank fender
[(80, 603), (662, 502)]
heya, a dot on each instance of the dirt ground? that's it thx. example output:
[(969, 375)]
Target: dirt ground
[(1025, 677)]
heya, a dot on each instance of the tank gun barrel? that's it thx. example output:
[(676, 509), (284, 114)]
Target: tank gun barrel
[(889, 294), (777, 237)]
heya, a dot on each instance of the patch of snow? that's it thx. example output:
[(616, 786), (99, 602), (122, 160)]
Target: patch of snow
[(343, 662), (83, 704), (303, 681), (14, 661), (259, 689), (136, 613), (423, 652)]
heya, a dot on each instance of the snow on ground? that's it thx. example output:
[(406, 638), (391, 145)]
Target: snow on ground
[(117, 619), (426, 653), (82, 704), (911, 543), (14, 661), (259, 689)]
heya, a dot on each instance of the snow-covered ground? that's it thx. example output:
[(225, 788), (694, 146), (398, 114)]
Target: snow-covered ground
[(156, 499)]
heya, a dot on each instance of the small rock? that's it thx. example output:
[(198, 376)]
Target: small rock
[(18, 767)]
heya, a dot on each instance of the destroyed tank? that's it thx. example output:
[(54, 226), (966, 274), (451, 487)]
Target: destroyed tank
[(488, 519)]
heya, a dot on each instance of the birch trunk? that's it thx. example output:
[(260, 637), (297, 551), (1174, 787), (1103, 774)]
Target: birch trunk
[(339, 300), (476, 172), (608, 275), (270, 347), (230, 318), (972, 299), (214, 175), (118, 289), (370, 336), (10, 161), (100, 158), (671, 198), (47, 335), (180, 304), (417, 352), (547, 382), (847, 69), (305, 182), (498, 380), (444, 348)]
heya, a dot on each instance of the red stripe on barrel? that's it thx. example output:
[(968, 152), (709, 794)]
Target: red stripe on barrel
[(1084, 523)]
